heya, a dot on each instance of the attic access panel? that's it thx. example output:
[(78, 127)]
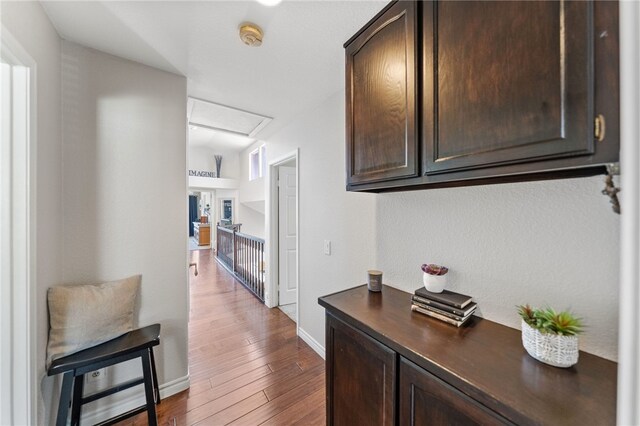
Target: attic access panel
[(211, 115)]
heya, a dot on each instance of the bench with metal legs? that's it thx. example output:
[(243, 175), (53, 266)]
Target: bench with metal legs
[(134, 344)]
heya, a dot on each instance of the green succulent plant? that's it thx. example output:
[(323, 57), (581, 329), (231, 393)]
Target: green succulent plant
[(526, 312), (547, 320)]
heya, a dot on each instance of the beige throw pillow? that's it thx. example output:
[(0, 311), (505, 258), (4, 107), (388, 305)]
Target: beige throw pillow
[(82, 316)]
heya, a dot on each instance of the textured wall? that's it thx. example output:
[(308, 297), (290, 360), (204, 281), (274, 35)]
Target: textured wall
[(29, 25), (554, 243), (327, 211), (124, 192)]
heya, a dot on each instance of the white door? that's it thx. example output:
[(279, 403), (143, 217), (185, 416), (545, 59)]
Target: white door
[(287, 237)]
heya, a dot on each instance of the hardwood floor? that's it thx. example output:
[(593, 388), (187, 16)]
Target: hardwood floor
[(247, 365)]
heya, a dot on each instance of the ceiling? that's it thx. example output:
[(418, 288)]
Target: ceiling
[(300, 63), (200, 137)]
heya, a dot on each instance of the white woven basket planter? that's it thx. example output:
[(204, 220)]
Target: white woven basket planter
[(552, 349)]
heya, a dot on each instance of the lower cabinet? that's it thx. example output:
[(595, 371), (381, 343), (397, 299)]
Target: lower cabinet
[(387, 365), (427, 400), (202, 234), (370, 384), (361, 375)]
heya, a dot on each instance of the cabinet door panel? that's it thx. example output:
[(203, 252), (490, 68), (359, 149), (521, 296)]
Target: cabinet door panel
[(381, 97), (506, 82), (360, 377), (427, 400)]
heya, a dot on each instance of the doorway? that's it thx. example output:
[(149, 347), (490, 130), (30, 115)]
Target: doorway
[(18, 367), (201, 219), (284, 235)]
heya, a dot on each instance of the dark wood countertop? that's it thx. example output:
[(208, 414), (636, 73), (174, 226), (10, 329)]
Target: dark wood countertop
[(485, 360)]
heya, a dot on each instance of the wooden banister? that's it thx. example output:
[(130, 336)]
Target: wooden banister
[(243, 256)]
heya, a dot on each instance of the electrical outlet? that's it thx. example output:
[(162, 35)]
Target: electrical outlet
[(327, 247), (96, 376)]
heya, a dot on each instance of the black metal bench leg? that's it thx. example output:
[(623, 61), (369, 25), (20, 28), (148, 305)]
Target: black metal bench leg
[(76, 405), (65, 399), (148, 387), (156, 390)]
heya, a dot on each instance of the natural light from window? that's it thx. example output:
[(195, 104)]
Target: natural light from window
[(257, 163)]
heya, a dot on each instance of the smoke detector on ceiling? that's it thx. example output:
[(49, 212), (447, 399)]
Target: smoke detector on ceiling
[(251, 34)]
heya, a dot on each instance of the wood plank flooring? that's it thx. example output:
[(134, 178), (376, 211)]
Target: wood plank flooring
[(246, 364)]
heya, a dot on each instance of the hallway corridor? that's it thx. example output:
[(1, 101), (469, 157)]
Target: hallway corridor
[(246, 364)]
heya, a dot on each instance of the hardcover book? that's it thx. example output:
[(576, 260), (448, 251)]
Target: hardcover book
[(447, 297), (460, 312), (438, 316), (443, 312)]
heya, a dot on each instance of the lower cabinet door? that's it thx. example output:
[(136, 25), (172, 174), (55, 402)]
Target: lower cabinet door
[(204, 238), (427, 400), (361, 376)]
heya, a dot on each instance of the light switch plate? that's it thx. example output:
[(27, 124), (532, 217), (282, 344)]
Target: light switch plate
[(327, 247)]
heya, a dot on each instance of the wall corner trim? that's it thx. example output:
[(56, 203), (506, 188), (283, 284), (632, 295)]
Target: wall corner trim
[(311, 342)]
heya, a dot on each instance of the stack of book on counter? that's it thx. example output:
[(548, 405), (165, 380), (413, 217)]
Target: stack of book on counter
[(450, 307)]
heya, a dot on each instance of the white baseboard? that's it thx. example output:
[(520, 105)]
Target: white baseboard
[(311, 342), (126, 404), (175, 386)]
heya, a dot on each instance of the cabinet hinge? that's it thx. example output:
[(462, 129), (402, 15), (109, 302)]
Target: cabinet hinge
[(599, 127)]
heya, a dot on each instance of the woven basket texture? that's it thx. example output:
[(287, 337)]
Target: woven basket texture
[(552, 349)]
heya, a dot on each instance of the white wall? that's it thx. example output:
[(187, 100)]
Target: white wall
[(202, 158), (550, 243), (251, 190), (327, 211), (125, 181), (29, 25), (553, 242), (251, 193), (252, 221)]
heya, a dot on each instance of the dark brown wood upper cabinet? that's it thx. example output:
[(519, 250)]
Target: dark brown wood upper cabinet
[(382, 143), (506, 82), (501, 92)]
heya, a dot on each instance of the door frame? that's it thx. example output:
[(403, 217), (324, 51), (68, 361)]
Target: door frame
[(273, 230), (23, 385)]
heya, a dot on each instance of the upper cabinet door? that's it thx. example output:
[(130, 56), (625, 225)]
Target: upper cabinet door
[(506, 82), (381, 98)]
